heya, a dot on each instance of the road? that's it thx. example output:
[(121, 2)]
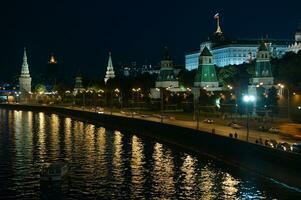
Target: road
[(219, 129)]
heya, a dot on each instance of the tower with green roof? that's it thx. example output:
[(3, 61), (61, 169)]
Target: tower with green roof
[(263, 78), (167, 77), (206, 75), (263, 69)]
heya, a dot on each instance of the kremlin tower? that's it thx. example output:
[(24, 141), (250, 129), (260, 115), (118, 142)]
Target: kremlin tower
[(206, 75), (25, 79), (110, 70)]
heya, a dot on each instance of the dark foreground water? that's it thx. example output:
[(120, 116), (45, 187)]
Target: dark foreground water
[(108, 164)]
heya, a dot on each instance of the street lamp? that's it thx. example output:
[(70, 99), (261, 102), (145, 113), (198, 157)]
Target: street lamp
[(84, 98), (248, 99), (282, 86), (134, 90), (230, 87)]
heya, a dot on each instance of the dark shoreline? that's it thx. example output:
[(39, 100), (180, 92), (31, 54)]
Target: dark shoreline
[(280, 166)]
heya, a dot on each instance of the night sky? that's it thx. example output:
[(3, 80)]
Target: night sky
[(81, 32)]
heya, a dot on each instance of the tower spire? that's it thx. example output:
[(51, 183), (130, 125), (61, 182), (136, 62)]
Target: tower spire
[(218, 27), (25, 79), (110, 70), (25, 70)]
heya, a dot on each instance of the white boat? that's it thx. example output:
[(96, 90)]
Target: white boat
[(54, 171)]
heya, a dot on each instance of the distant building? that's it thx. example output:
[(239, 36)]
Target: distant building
[(206, 75), (25, 79), (110, 70), (133, 70), (233, 52), (296, 47)]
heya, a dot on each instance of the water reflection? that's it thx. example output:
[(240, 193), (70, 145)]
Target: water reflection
[(189, 175), (137, 168), (54, 137), (163, 183), (68, 139), (41, 136), (229, 186), (117, 159), (109, 164)]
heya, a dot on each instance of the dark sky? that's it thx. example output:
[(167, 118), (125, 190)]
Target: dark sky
[(81, 32)]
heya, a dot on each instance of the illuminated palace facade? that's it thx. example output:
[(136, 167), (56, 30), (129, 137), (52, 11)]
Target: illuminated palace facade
[(233, 52)]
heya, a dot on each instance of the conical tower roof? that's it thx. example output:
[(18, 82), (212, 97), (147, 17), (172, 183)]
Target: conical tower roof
[(262, 46), (166, 54), (25, 68), (206, 52), (110, 63), (110, 70)]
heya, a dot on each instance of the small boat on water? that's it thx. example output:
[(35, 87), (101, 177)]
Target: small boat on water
[(56, 171)]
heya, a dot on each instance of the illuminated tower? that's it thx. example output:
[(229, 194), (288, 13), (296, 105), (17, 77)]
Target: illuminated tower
[(52, 60), (25, 79), (218, 27), (110, 70), (167, 77), (78, 87), (263, 69), (263, 79), (218, 34), (52, 72), (206, 76)]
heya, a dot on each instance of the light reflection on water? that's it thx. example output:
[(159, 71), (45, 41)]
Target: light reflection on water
[(109, 164)]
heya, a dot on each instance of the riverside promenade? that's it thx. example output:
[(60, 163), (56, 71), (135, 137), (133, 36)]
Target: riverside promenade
[(214, 128)]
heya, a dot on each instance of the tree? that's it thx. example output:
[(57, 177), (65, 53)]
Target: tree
[(287, 69), (227, 74), (272, 99), (186, 78), (40, 88), (260, 101)]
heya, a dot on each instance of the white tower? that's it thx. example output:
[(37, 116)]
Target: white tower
[(110, 70), (25, 79)]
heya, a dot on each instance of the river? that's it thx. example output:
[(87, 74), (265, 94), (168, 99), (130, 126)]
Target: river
[(109, 164)]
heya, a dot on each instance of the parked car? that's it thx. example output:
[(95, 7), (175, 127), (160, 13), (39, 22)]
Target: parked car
[(271, 143), (208, 121), (235, 125), (263, 128), (274, 130), (230, 124), (284, 146), (296, 147)]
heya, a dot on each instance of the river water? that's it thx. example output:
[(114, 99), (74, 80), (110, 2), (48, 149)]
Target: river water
[(108, 164)]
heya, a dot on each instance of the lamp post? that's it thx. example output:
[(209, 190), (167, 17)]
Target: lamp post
[(117, 91), (248, 99), (84, 99), (134, 90), (162, 102), (282, 86), (100, 92)]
